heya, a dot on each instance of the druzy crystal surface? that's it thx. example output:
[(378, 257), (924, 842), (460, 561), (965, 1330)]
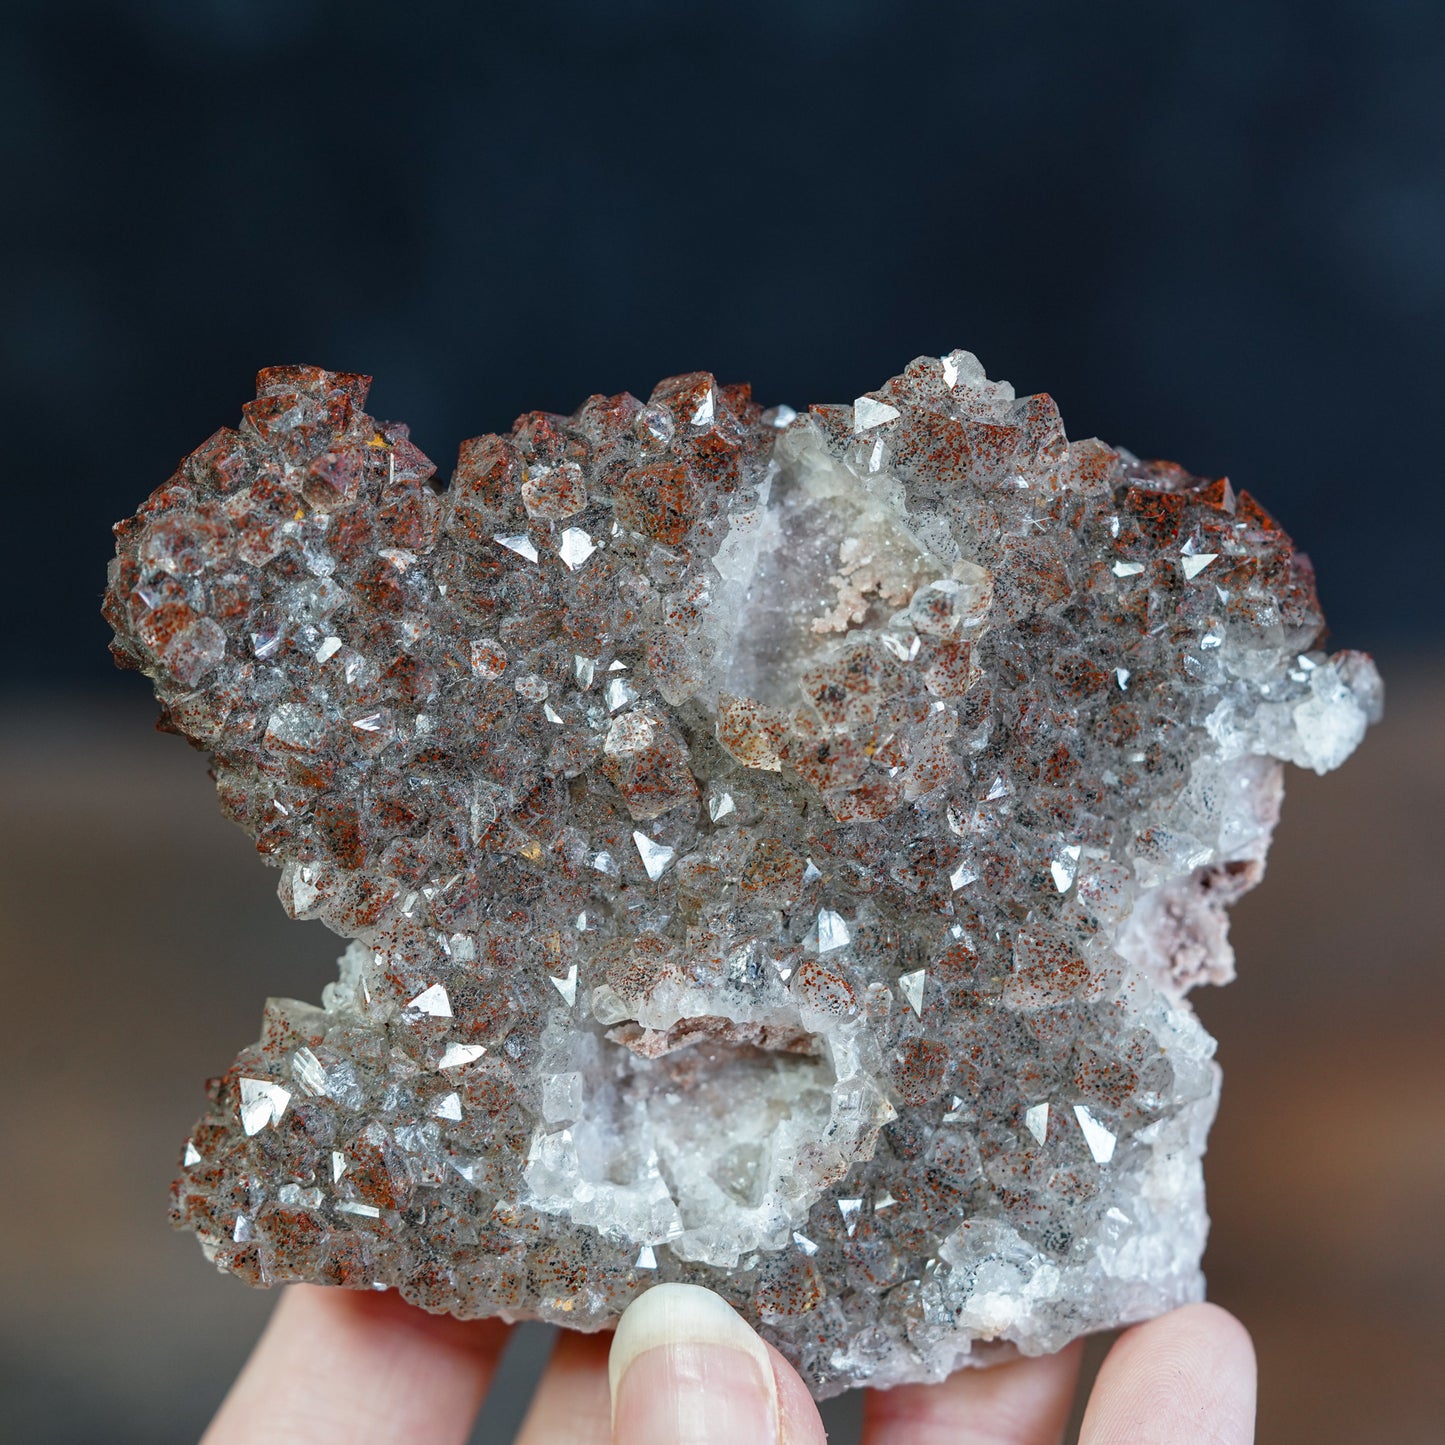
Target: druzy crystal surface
[(775, 849)]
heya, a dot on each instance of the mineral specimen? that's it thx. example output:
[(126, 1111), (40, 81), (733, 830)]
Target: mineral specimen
[(775, 849)]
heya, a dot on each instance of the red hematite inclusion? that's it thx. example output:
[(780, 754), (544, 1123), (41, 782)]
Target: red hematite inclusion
[(774, 851)]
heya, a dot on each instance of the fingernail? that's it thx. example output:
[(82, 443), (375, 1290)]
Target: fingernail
[(686, 1370)]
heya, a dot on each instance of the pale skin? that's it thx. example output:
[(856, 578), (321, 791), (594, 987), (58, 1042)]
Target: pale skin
[(340, 1368)]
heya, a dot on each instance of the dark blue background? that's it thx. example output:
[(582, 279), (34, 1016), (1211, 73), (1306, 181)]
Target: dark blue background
[(1212, 231)]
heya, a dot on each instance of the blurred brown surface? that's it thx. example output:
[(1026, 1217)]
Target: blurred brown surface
[(139, 935)]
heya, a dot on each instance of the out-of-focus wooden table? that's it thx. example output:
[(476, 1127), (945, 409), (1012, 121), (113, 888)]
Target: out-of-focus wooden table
[(139, 934)]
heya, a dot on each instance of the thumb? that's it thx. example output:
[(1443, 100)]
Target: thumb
[(685, 1369)]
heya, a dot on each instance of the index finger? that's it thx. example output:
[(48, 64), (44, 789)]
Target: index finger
[(1186, 1378), (343, 1367), (1022, 1402)]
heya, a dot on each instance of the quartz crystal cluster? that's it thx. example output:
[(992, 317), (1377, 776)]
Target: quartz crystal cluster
[(774, 851)]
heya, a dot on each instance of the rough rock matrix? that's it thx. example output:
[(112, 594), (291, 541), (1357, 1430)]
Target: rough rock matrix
[(774, 851)]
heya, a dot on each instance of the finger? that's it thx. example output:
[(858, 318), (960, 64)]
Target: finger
[(571, 1405), (1188, 1376), (686, 1370), (341, 1367), (1025, 1402)]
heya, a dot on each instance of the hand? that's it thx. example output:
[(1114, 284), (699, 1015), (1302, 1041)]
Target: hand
[(337, 1368)]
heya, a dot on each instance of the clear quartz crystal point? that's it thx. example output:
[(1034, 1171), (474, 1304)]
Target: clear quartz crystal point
[(655, 856), (1036, 1120), (262, 1104), (1100, 1141), (832, 931), (576, 547), (774, 850), (457, 1056), (911, 987), (433, 1001), (566, 986)]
